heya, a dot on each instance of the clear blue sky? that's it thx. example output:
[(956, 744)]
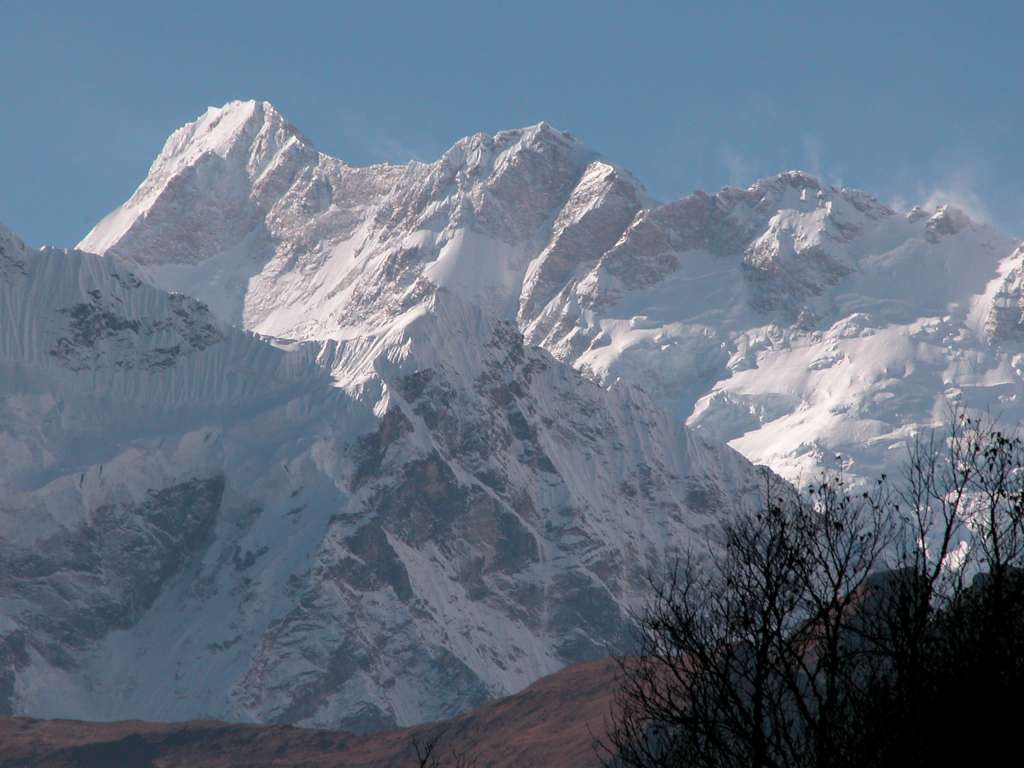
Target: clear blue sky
[(902, 99)]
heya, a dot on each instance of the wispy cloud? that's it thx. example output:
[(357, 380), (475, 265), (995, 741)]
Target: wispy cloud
[(959, 190), (961, 176), (814, 150), (360, 139), (739, 169), (815, 161), (951, 182), (391, 150)]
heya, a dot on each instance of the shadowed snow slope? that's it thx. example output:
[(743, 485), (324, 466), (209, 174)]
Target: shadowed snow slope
[(197, 521)]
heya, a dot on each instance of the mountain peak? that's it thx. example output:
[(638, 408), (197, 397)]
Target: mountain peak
[(795, 178), (210, 169), (538, 139), (538, 134), (10, 240), (11, 249), (808, 189), (947, 220), (221, 130)]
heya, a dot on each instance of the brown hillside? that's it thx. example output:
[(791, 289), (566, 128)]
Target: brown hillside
[(549, 723)]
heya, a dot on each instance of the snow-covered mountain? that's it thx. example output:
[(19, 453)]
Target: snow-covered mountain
[(199, 521), (794, 320), (353, 446)]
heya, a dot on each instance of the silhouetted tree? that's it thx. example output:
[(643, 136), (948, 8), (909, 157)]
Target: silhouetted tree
[(428, 753), (837, 627)]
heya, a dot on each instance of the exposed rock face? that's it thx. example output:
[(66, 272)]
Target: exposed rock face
[(1004, 321), (486, 564), (74, 586), (593, 219), (98, 335)]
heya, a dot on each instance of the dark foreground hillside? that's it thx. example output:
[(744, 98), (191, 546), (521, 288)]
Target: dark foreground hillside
[(552, 723)]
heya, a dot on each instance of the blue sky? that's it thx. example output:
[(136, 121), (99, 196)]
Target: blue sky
[(909, 101)]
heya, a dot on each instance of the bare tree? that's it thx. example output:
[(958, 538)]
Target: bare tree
[(820, 631), (950, 629), (428, 753), (743, 654)]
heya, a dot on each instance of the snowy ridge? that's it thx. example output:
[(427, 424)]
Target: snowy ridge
[(219, 155), (67, 313), (798, 322), (329, 250)]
